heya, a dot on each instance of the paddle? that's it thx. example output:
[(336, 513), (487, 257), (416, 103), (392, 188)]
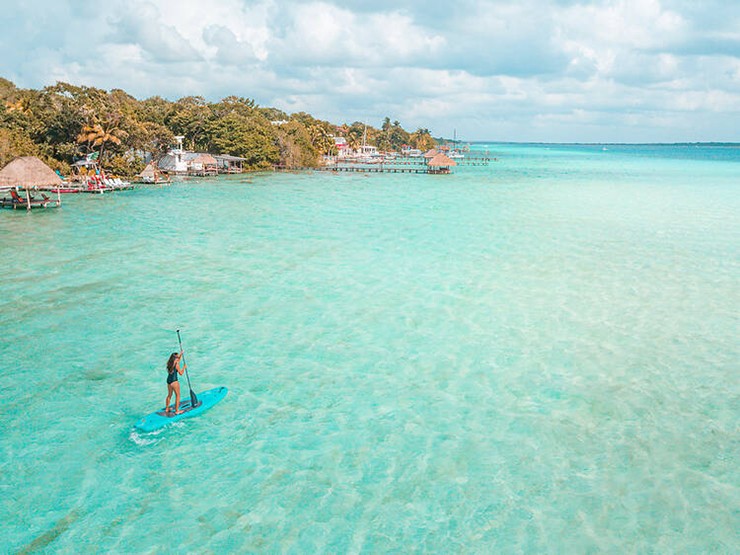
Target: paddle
[(193, 398)]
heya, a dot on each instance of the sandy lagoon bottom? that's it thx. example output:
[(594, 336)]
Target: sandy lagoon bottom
[(538, 356)]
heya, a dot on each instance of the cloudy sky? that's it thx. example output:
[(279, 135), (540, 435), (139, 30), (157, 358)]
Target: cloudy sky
[(531, 70)]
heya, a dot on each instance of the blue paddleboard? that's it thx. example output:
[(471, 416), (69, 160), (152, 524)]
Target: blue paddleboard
[(160, 419)]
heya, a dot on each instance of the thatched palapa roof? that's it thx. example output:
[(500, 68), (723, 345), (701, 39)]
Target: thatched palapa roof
[(28, 171), (202, 158), (149, 171), (441, 161), (431, 153)]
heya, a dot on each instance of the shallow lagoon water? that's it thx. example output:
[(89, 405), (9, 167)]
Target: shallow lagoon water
[(536, 356)]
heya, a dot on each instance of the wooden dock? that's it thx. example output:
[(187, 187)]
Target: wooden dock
[(374, 168), (477, 161), (416, 165)]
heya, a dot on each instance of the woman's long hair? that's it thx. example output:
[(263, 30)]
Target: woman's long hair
[(171, 363)]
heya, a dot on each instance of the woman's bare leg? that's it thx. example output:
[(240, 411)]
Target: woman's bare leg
[(176, 387), (169, 396)]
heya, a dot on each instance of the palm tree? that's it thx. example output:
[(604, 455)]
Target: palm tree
[(422, 139), (321, 139), (99, 135)]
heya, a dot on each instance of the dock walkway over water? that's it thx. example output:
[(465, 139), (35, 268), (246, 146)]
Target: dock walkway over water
[(417, 164), (474, 161), (374, 168)]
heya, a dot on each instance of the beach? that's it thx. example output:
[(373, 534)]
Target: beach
[(539, 355)]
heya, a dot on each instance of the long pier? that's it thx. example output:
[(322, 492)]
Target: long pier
[(416, 165), (474, 161), (375, 168)]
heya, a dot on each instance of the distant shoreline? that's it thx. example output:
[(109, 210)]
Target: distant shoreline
[(713, 144)]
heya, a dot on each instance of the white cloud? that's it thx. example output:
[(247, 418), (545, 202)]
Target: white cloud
[(229, 49), (623, 70), (318, 33)]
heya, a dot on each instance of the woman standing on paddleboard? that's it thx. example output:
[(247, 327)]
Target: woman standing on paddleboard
[(173, 386)]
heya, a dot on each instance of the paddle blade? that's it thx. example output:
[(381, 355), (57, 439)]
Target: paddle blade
[(193, 399)]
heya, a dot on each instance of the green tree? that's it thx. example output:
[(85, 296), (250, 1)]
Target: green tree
[(235, 105), (150, 137), (61, 121), (155, 110), (100, 135), (356, 134), (190, 118), (14, 143), (422, 139), (399, 136), (248, 137), (273, 114), (294, 142)]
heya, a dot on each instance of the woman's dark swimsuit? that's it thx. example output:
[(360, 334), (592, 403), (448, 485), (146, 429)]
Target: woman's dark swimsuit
[(171, 377)]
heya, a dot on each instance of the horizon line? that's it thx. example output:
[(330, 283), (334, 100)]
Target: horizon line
[(592, 143)]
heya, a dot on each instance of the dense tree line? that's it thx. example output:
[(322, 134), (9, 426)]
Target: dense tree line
[(63, 122)]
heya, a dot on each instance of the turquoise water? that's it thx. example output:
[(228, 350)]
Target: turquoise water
[(536, 356)]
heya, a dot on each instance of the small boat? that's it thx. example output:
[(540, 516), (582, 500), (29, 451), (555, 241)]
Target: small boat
[(456, 152)]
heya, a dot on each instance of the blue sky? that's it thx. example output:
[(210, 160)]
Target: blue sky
[(532, 70)]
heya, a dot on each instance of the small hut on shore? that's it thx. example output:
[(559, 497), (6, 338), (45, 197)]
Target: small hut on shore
[(28, 172), (441, 164), (151, 174), (229, 164), (201, 163)]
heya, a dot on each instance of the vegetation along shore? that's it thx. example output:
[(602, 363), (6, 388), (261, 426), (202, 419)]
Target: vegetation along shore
[(63, 122)]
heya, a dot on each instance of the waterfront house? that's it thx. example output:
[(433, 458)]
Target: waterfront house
[(343, 148), (174, 162), (201, 163), (228, 164), (170, 165)]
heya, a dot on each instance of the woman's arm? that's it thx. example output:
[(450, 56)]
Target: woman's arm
[(181, 369)]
